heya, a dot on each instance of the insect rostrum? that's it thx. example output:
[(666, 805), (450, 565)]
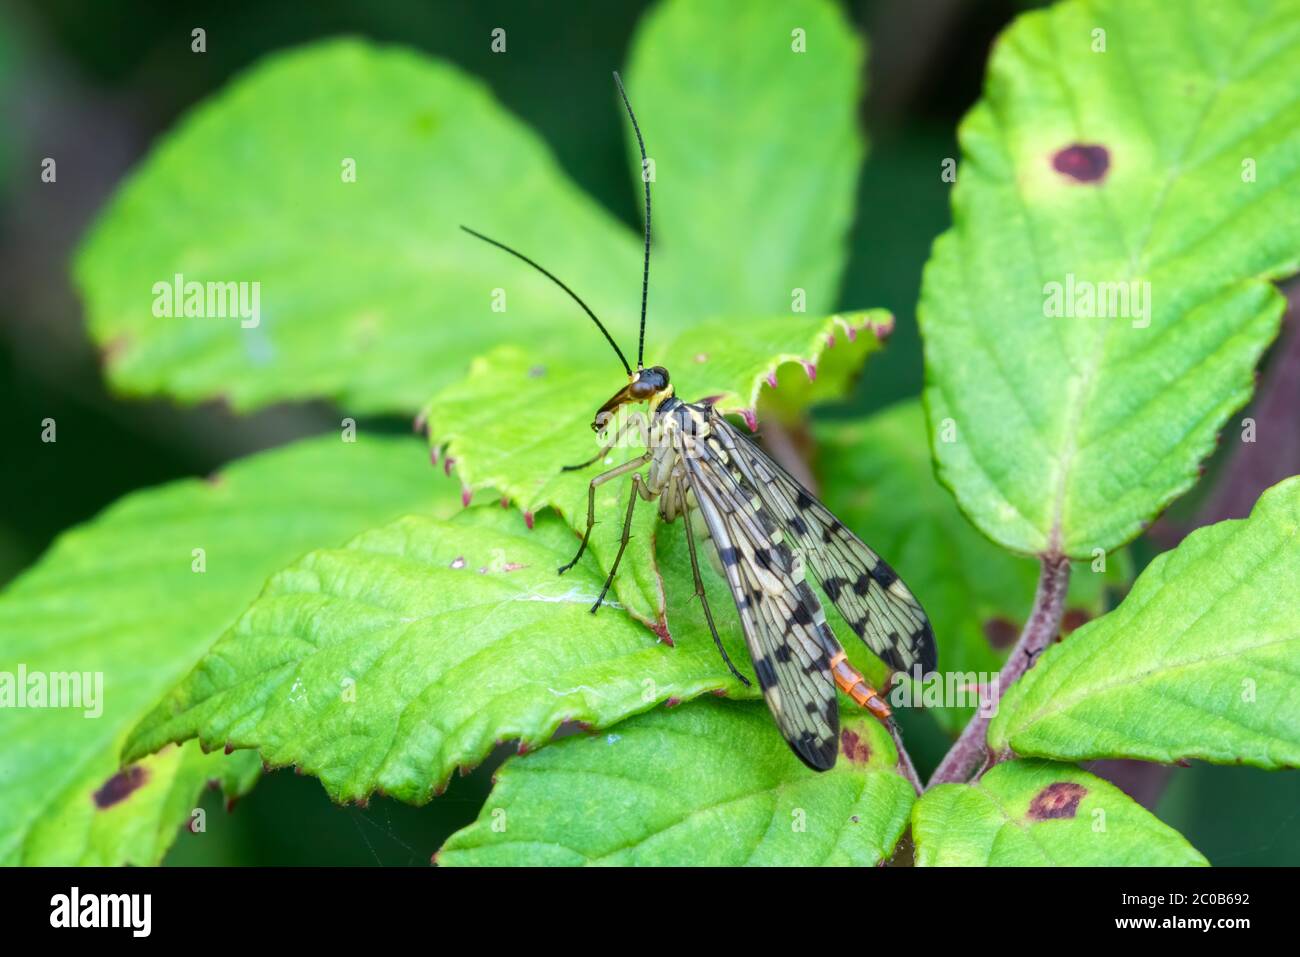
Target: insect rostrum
[(764, 527)]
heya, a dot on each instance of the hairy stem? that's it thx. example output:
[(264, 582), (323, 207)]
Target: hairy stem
[(970, 752), (905, 766)]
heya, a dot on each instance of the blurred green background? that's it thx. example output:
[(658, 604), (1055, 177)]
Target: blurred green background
[(94, 84)]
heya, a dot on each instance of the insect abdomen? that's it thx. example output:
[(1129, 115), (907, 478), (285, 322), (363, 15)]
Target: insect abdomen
[(851, 682)]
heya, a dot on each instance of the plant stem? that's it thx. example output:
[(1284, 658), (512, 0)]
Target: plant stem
[(905, 766), (1044, 624)]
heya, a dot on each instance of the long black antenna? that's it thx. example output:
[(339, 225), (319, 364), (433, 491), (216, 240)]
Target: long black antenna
[(556, 279), (645, 272)]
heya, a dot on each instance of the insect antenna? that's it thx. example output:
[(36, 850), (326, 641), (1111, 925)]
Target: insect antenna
[(572, 295), (645, 272)]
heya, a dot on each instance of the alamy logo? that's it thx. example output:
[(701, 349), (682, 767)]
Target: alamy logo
[(103, 910), (952, 689), (1083, 299), (208, 300), (53, 689)]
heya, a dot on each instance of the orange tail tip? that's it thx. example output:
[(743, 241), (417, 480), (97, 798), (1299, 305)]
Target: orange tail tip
[(855, 686)]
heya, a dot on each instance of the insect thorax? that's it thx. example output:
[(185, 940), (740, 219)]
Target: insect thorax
[(675, 429)]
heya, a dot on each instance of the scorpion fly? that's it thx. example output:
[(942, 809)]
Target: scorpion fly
[(764, 526)]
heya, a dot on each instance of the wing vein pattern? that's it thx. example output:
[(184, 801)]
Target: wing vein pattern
[(784, 625), (869, 594)]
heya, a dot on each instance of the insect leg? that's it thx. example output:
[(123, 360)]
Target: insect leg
[(622, 542), (603, 452), (591, 461), (600, 479), (699, 590)]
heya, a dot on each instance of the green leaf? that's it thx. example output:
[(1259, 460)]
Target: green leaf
[(369, 293), (390, 663), (706, 784), (158, 794), (1070, 433), (1202, 659), (118, 597), (756, 149), (1036, 813), (876, 475), (514, 421)]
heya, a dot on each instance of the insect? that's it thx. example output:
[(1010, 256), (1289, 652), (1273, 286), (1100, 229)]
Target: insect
[(764, 526)]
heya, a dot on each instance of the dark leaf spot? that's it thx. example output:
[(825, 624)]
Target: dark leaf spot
[(1082, 162), (1074, 618), (854, 747), (120, 786), (1000, 632), (1056, 801)]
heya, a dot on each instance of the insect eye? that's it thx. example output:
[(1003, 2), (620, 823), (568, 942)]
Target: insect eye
[(651, 380)]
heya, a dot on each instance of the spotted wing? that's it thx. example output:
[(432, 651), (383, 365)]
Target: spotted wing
[(785, 628), (868, 593)]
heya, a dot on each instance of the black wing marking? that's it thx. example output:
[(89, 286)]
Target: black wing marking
[(785, 628), (867, 592)]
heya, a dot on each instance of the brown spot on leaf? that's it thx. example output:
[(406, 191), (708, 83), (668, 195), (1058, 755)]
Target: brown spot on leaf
[(1000, 632), (120, 786), (854, 747), (1073, 619), (1082, 162), (1056, 801)]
